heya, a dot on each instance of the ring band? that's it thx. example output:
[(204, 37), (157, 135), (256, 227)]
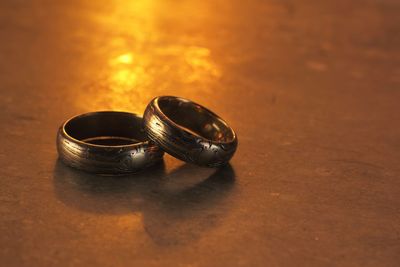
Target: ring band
[(106, 142), (189, 131)]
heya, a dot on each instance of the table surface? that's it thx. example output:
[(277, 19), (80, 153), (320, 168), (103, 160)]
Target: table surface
[(311, 87)]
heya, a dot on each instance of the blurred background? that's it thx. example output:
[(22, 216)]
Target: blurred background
[(312, 89)]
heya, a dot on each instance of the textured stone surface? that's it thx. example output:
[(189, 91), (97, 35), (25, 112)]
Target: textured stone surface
[(311, 88)]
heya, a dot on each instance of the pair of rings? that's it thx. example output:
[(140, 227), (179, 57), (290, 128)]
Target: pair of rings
[(114, 142)]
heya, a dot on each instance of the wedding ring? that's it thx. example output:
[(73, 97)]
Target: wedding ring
[(189, 131), (106, 142)]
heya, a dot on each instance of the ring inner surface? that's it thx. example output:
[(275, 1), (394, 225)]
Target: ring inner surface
[(106, 128), (196, 119)]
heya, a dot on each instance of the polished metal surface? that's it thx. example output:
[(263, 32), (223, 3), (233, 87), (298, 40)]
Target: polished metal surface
[(189, 131), (311, 88), (106, 142)]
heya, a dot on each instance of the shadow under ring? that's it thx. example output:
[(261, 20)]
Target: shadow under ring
[(107, 143), (189, 131)]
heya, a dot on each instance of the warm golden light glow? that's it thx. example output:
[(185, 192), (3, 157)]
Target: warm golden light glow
[(123, 59), (141, 61), (198, 58)]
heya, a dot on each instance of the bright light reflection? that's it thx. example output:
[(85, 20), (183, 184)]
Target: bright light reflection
[(143, 61), (123, 59)]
